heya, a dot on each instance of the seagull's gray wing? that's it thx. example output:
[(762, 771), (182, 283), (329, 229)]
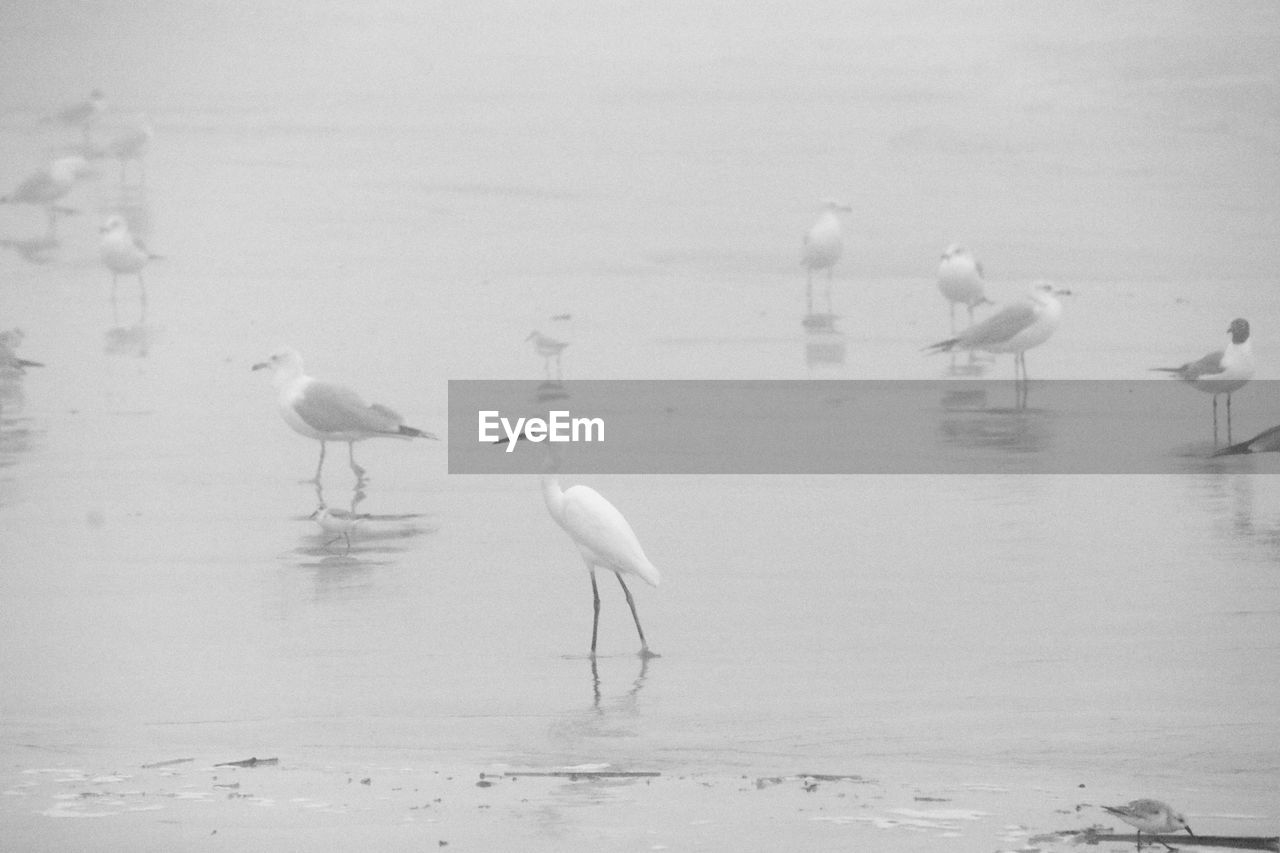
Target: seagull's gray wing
[(327, 407), (1207, 366), (999, 327)]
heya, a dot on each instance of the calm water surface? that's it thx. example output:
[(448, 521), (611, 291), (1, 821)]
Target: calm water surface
[(649, 172)]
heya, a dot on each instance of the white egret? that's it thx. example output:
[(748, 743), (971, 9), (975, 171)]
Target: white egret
[(960, 280), (603, 538), (327, 411), (1150, 816), (823, 245), (1221, 371)]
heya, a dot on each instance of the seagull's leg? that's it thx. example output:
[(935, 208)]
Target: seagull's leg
[(351, 455), (142, 296), (644, 646), (115, 313), (1228, 433), (595, 599), (1215, 420), (320, 464), (560, 373)]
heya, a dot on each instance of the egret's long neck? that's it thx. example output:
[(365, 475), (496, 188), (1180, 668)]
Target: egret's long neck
[(554, 496)]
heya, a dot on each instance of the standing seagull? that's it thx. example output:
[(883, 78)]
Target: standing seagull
[(1152, 816), (1221, 371), (1015, 328), (960, 280), (47, 186), (131, 144), (326, 411), (123, 254), (83, 114), (823, 245)]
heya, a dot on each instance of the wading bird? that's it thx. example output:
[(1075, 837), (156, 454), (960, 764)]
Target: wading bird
[(603, 538), (1151, 816), (1221, 371), (823, 245), (327, 411)]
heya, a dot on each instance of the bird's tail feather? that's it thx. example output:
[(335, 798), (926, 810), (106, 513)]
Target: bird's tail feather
[(411, 432), (941, 346)]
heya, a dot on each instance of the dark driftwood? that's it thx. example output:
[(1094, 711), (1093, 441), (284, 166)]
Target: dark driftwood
[(249, 762), (1235, 842), (574, 774)]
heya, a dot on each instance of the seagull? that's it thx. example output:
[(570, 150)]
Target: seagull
[(960, 280), (327, 411), (549, 348), (10, 340), (131, 144), (604, 539), (47, 186), (1015, 328), (123, 254), (1150, 816), (822, 247), (1221, 371), (83, 114)]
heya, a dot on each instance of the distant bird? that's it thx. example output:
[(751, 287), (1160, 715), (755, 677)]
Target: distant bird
[(604, 539), (338, 521), (1151, 816), (131, 144), (83, 114), (960, 280), (10, 340), (123, 254), (1015, 328), (1221, 371), (327, 411), (549, 348), (823, 245), (49, 185)]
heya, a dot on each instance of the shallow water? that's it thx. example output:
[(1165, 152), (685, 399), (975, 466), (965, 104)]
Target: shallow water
[(409, 221)]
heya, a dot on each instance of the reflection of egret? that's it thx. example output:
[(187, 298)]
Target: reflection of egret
[(131, 144), (83, 114), (1015, 328), (1150, 816), (49, 185), (10, 340), (604, 538), (123, 254), (1221, 371), (327, 411), (823, 245), (960, 280)]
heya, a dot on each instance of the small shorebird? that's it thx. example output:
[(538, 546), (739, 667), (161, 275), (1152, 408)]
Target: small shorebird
[(123, 254), (1221, 371), (1151, 816), (341, 522), (327, 411)]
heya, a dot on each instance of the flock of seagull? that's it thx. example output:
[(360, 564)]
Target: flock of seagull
[(121, 251), (326, 411)]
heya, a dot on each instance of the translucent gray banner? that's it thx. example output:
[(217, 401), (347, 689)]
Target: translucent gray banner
[(852, 427)]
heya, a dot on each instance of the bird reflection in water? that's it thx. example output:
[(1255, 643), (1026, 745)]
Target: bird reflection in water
[(824, 346), (15, 432), (625, 703), (970, 422)]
